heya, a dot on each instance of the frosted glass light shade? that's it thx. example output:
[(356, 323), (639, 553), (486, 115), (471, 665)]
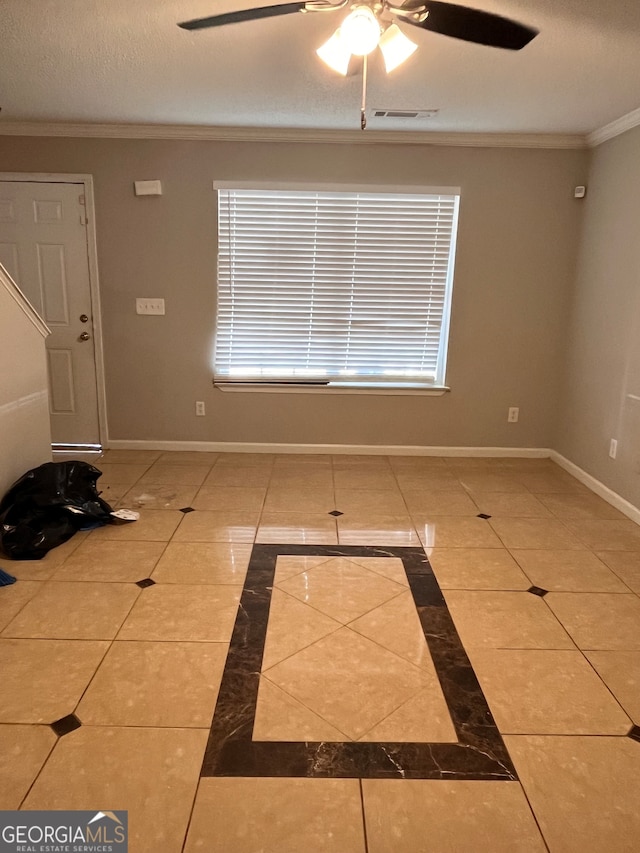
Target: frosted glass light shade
[(335, 53), (395, 47)]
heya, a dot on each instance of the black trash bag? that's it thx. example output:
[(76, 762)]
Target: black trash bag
[(47, 505)]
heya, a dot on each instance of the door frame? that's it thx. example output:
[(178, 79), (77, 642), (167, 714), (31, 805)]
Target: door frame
[(85, 185)]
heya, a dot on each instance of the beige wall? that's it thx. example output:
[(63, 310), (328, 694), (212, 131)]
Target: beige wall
[(517, 243), (25, 436), (603, 337)]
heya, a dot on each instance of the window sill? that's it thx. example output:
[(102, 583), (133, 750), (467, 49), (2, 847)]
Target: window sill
[(309, 388)]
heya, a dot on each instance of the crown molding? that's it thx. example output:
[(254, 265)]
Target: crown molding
[(256, 134), (614, 128)]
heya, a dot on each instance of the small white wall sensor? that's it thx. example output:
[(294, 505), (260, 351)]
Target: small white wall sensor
[(147, 187)]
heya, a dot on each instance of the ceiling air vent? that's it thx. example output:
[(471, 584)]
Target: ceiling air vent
[(378, 113)]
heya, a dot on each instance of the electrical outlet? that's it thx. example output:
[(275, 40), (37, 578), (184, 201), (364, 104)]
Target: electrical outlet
[(613, 448), (149, 306), (200, 409), (513, 415)]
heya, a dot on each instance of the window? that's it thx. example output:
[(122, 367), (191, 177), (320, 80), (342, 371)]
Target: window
[(334, 288)]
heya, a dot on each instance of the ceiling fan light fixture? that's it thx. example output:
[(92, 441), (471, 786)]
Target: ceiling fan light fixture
[(396, 48), (335, 53), (361, 31)]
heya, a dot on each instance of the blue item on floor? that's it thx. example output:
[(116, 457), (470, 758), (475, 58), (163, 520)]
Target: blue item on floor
[(5, 579)]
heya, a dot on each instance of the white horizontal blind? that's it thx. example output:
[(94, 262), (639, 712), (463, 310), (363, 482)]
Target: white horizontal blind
[(333, 287)]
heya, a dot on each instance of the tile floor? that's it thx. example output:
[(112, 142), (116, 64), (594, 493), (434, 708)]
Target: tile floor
[(543, 593)]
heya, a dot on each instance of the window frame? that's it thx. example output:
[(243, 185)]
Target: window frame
[(361, 386)]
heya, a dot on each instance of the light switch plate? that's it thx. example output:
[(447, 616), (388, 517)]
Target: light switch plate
[(149, 306)]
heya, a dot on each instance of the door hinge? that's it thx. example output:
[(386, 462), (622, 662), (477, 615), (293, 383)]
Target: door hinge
[(83, 219)]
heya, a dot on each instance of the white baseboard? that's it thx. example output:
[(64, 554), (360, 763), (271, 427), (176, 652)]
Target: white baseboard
[(596, 486), (355, 449)]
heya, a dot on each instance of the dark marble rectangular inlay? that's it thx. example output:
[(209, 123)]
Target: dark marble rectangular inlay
[(480, 752)]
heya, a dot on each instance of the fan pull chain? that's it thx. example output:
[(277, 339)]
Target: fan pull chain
[(363, 106)]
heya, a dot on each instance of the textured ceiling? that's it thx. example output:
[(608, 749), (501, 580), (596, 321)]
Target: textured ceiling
[(117, 61)]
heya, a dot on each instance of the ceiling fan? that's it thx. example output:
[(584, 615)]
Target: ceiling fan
[(371, 24)]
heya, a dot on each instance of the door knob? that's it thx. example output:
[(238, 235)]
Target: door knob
[(84, 336), (84, 318)]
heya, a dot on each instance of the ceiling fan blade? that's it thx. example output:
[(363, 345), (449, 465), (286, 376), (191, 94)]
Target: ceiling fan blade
[(242, 15), (461, 22)]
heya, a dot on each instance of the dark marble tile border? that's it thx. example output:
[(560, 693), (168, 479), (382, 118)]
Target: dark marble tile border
[(480, 752)]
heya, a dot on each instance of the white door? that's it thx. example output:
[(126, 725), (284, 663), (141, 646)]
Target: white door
[(43, 247)]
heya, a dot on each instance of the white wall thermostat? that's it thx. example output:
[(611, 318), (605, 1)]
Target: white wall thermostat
[(579, 192)]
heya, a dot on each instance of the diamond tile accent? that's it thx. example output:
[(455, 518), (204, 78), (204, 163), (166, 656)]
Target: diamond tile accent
[(288, 566), (423, 719), (634, 733), (349, 681), (145, 582), (186, 509), (537, 590), (65, 725), (395, 626), (292, 626), (483, 515), (336, 512), (341, 589), (280, 717)]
